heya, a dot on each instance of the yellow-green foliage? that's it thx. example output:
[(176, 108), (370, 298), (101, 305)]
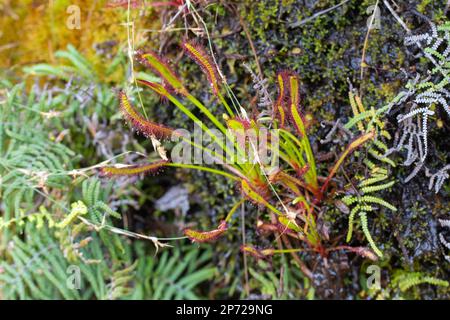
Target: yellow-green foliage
[(377, 165), (405, 281), (405, 285), (33, 30)]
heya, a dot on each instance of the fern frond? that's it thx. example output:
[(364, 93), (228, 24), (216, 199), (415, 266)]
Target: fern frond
[(31, 164), (173, 275), (371, 189), (405, 281), (41, 219), (349, 200), (371, 199), (437, 179), (121, 281), (365, 228), (78, 208), (381, 158)]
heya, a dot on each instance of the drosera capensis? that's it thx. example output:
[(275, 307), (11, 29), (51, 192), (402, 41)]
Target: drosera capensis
[(291, 191)]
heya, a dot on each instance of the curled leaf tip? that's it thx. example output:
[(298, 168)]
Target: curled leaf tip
[(147, 128), (256, 253), (238, 123), (160, 66), (206, 236), (256, 193)]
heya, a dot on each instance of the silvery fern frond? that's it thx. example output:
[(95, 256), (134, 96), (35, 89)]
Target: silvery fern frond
[(261, 86), (417, 145), (437, 179), (445, 223)]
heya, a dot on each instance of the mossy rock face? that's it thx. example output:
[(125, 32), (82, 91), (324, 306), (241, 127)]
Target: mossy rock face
[(326, 52)]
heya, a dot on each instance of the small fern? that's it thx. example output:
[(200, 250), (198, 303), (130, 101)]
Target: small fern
[(425, 93), (406, 280), (366, 197), (37, 269), (32, 164), (174, 275)]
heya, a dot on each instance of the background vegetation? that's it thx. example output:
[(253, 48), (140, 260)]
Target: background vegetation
[(60, 121)]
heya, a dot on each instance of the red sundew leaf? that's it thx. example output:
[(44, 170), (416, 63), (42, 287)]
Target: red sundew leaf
[(288, 223), (301, 171), (361, 251), (268, 252), (160, 66), (366, 253), (280, 104), (350, 148), (283, 229), (290, 182), (197, 53), (257, 197), (277, 228), (158, 88), (297, 120), (207, 236), (237, 123), (150, 168), (281, 115), (256, 253), (284, 81), (265, 227), (289, 100), (293, 84), (147, 128), (257, 191), (295, 115), (290, 185)]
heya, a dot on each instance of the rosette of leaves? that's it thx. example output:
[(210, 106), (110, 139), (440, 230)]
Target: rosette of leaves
[(290, 193)]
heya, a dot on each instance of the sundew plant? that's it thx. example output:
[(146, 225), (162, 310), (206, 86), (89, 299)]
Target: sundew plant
[(290, 191), (229, 150)]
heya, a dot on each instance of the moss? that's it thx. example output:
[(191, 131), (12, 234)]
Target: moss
[(422, 6), (42, 30)]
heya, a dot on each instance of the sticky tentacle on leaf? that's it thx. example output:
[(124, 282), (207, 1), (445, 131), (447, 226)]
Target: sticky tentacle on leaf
[(161, 67), (147, 128)]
